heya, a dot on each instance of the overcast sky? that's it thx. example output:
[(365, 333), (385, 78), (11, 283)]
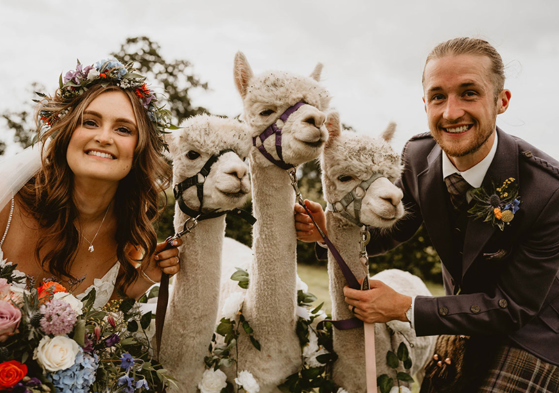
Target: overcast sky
[(373, 52)]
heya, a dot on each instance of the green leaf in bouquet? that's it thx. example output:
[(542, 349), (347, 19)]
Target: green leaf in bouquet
[(145, 321), (392, 360), (255, 342), (407, 363), (317, 308), (225, 326), (128, 341), (403, 353), (404, 377), (79, 332), (154, 292), (327, 357), (127, 305), (385, 383), (247, 328), (132, 326), (226, 362), (242, 277)]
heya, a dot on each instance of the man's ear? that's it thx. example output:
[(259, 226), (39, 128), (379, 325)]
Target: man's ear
[(424, 104), (503, 101)]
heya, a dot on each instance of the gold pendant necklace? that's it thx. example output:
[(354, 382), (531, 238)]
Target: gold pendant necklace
[(91, 248)]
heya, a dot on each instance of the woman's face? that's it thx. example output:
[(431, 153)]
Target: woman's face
[(102, 146)]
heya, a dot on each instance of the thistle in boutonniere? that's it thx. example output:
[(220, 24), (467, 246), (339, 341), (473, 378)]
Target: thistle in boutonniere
[(496, 205)]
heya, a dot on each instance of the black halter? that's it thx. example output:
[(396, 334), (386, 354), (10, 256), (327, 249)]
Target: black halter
[(198, 180)]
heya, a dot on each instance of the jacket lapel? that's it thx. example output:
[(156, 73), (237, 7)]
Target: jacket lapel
[(503, 166), (432, 199)]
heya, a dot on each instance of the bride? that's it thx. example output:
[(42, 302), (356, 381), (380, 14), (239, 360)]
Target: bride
[(78, 207)]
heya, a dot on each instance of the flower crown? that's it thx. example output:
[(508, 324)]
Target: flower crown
[(109, 72)]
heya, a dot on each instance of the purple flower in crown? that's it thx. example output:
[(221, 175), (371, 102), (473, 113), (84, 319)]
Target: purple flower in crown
[(112, 340)]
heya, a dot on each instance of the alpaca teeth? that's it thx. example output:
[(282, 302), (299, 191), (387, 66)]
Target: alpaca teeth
[(99, 154), (457, 129)]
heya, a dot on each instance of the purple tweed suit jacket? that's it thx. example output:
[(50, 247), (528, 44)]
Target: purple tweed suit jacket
[(508, 281)]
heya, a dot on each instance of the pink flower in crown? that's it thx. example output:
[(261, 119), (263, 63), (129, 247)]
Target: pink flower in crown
[(10, 316)]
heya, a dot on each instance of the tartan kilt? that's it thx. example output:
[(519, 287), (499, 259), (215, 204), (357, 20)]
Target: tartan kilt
[(516, 371)]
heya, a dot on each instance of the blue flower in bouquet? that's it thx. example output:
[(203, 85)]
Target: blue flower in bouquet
[(142, 384), (79, 377), (128, 382), (127, 361)]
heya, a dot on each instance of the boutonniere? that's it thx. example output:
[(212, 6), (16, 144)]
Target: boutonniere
[(496, 205)]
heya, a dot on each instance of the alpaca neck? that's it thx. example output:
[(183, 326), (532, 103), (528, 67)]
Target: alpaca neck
[(345, 238), (271, 292)]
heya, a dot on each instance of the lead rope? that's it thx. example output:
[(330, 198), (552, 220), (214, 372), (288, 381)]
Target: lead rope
[(345, 324)]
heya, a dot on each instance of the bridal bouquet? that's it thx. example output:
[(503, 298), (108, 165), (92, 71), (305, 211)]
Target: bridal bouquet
[(52, 342)]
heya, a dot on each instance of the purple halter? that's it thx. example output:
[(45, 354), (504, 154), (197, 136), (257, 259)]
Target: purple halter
[(273, 129)]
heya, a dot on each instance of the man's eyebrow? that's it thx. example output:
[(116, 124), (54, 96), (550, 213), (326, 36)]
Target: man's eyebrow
[(464, 85)]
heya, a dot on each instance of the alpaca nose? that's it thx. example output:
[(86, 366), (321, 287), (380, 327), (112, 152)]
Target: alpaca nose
[(238, 170), (393, 196), (316, 119)]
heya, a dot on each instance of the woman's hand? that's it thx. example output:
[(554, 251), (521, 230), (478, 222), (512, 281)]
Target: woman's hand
[(164, 260)]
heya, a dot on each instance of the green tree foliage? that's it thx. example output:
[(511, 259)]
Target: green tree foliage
[(176, 77)]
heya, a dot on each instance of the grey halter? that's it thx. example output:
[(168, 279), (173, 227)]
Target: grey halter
[(356, 196)]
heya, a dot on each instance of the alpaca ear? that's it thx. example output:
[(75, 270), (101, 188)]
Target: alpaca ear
[(316, 72), (334, 127), (389, 132), (170, 140), (242, 73)]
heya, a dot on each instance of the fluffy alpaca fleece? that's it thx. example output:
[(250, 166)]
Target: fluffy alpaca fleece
[(270, 301), (349, 159), (194, 299)]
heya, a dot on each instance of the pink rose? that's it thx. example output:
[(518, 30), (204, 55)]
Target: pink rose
[(9, 319)]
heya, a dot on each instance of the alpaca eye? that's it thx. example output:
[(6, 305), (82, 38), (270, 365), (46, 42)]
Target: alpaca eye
[(344, 178), (192, 155), (267, 112)]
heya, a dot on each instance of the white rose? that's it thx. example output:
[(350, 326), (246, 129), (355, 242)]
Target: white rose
[(312, 346), (301, 285), (92, 74), (311, 361), (247, 381), (400, 389), (302, 312), (212, 381), (76, 304), (55, 354), (342, 390), (232, 305)]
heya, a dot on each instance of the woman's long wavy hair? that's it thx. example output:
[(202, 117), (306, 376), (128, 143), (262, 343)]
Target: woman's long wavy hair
[(48, 195)]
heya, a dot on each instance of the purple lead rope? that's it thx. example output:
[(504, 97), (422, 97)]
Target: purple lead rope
[(342, 324)]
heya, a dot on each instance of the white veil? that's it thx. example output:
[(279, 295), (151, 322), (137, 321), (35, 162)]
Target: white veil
[(15, 171)]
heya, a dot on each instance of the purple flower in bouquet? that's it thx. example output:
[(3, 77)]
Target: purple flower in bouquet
[(127, 361), (112, 340), (27, 385), (142, 384), (58, 318)]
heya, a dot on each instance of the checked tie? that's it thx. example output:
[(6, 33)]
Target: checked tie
[(457, 188)]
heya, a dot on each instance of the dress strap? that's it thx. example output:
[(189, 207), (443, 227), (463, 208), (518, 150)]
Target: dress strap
[(9, 222)]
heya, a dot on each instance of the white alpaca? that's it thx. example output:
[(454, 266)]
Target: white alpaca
[(271, 299), (348, 160), (193, 304)]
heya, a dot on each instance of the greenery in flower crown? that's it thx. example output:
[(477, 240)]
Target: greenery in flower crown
[(496, 205), (110, 72)]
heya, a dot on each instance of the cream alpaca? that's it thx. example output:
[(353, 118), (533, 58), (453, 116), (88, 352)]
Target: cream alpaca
[(349, 159), (194, 299), (270, 301)]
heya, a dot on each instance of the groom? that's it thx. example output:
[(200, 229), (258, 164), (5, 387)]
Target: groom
[(500, 275)]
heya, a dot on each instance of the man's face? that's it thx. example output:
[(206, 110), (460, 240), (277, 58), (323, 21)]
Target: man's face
[(461, 109)]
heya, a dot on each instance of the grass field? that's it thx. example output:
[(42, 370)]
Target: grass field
[(316, 278)]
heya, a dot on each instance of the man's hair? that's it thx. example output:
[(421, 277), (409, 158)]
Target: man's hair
[(472, 46)]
